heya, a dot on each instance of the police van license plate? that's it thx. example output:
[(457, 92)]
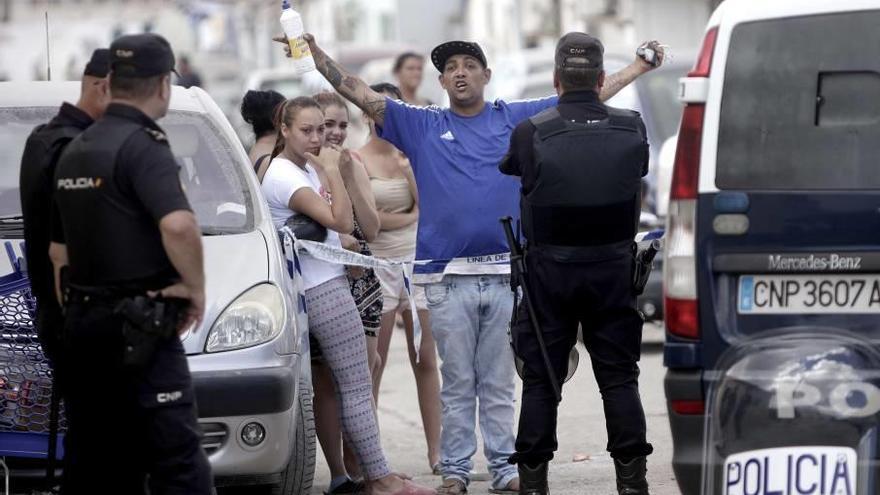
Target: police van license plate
[(784, 470), (805, 294)]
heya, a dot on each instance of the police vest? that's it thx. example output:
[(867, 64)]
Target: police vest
[(111, 238), (37, 182), (587, 190)]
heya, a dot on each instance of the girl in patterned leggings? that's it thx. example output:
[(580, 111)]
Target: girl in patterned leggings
[(292, 185), (367, 292)]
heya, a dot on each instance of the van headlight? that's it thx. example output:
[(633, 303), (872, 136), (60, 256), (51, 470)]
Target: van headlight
[(255, 317)]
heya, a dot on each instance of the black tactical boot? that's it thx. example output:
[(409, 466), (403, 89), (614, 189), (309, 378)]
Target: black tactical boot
[(533, 480), (631, 476)]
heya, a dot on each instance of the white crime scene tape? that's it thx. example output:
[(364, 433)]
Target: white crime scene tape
[(336, 255)]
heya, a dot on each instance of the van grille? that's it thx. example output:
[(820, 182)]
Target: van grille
[(25, 375)]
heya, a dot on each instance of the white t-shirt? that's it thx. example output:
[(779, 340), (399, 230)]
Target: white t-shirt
[(282, 179)]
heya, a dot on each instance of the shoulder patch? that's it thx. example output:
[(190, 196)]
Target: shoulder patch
[(157, 136)]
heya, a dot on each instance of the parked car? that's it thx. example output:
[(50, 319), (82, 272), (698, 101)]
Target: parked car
[(249, 359), (772, 223)]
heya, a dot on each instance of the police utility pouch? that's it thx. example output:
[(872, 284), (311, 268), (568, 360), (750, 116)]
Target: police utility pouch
[(148, 321)]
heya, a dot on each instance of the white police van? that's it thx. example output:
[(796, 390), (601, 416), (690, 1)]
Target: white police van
[(774, 223)]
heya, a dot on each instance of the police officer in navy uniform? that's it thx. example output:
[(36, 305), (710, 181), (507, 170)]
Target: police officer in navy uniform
[(581, 165), (131, 249), (41, 153)]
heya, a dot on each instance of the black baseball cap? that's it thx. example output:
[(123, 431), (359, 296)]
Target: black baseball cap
[(442, 52), (99, 64), (141, 55), (579, 51)]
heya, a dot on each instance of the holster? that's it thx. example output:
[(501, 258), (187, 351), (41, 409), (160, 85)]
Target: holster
[(641, 272), (644, 263), (147, 322)]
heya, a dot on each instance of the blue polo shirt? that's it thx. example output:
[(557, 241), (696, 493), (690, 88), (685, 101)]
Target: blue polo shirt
[(461, 191)]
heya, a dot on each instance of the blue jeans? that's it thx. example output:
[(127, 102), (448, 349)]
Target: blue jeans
[(469, 318)]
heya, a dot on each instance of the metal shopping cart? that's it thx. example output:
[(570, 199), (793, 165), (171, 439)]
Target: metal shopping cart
[(28, 412)]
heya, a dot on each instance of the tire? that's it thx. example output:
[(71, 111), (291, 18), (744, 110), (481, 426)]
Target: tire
[(299, 474)]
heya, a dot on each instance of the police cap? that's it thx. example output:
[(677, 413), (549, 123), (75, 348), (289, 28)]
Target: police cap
[(442, 52), (579, 51), (141, 56), (99, 64)]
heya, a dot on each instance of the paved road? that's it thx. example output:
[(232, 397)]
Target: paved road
[(582, 429)]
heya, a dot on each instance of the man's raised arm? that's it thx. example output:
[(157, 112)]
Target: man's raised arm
[(351, 87), (617, 81)]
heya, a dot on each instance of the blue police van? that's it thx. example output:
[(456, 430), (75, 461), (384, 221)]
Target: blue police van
[(772, 260)]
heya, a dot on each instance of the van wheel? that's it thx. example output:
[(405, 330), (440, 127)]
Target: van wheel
[(299, 474)]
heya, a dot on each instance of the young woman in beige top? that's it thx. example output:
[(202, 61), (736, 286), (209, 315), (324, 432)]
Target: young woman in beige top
[(397, 201)]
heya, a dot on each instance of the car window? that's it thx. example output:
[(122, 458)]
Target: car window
[(800, 106), (541, 90), (627, 98), (16, 125), (210, 173), (288, 87), (292, 85), (209, 169)]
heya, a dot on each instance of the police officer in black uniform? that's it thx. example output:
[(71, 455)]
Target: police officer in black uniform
[(132, 253), (581, 165), (41, 153)]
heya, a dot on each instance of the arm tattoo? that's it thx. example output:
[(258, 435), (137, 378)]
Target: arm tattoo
[(333, 74), (351, 87), (615, 82), (350, 82), (375, 108), (329, 68)]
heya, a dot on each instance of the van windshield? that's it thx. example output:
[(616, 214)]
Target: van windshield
[(801, 104), (209, 168)]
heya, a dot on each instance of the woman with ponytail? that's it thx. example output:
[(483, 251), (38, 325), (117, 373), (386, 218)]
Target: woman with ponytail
[(367, 293), (292, 186)]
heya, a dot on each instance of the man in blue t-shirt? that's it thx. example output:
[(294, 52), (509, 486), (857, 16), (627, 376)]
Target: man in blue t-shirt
[(461, 252)]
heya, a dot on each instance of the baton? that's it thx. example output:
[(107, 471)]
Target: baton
[(518, 266)]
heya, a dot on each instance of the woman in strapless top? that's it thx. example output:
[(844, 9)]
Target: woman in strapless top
[(397, 201)]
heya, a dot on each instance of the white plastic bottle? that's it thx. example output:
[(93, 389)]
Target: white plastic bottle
[(291, 23)]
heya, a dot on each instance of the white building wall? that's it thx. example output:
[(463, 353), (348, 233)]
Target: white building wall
[(678, 23), (425, 24), (495, 24)]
